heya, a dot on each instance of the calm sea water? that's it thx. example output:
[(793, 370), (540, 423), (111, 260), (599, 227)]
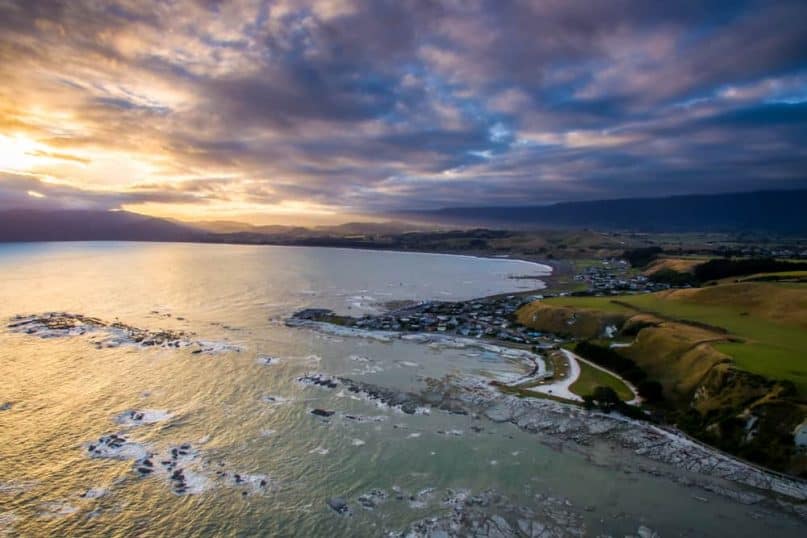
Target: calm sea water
[(65, 393)]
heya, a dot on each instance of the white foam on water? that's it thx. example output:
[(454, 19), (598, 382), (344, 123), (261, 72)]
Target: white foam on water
[(339, 330), (56, 509), (16, 487), (117, 447), (357, 442), (214, 348), (195, 483), (94, 493), (255, 483), (7, 522), (421, 498), (136, 417), (322, 451)]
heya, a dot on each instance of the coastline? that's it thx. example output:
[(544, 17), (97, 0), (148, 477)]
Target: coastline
[(661, 444), (655, 449)]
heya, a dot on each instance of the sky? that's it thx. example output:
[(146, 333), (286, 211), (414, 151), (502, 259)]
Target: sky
[(314, 110)]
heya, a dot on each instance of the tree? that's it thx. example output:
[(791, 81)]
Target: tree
[(651, 391), (606, 398)]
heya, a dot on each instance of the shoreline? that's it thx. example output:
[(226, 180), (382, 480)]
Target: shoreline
[(552, 265), (656, 449), (568, 420)]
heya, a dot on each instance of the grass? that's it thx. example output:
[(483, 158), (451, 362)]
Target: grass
[(591, 378), (679, 264), (769, 319), (772, 361), (602, 304), (585, 263), (787, 276)]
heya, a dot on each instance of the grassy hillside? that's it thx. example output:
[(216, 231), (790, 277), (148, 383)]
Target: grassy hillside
[(762, 326), (730, 358), (678, 264), (591, 378)]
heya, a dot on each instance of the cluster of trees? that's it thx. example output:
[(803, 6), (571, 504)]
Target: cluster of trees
[(675, 278), (726, 267), (606, 357), (606, 399), (715, 269), (641, 257)]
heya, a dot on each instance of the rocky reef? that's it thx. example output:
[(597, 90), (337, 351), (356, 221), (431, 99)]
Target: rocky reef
[(104, 334), (659, 450), (489, 514)]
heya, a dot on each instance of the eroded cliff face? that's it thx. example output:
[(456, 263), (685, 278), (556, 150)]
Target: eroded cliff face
[(751, 416), (743, 413)]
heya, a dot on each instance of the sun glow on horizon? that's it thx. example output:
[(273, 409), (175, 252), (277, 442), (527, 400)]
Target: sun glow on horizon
[(18, 153)]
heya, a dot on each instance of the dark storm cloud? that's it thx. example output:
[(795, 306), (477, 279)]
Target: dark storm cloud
[(25, 191), (408, 104)]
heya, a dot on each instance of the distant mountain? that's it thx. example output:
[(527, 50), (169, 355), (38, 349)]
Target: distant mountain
[(765, 211), (79, 225), (369, 228)]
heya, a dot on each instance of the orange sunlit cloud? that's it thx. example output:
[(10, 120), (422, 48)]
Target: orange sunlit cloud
[(315, 109)]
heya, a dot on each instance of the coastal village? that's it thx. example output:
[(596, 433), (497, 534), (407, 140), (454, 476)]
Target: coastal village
[(490, 317), (614, 276)]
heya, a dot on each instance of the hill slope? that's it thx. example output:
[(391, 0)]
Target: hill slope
[(79, 225), (767, 211), (730, 358)]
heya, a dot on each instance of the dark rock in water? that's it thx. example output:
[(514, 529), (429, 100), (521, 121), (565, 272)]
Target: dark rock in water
[(106, 334), (144, 470), (339, 505), (312, 314), (409, 407), (321, 380), (322, 412), (6, 406), (405, 401), (372, 498)]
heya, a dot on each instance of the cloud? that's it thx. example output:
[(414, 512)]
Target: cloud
[(351, 106)]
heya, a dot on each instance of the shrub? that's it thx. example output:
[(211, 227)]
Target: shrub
[(641, 257), (651, 391), (727, 267)]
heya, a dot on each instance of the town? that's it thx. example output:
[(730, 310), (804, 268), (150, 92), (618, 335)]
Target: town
[(491, 318), (614, 276)]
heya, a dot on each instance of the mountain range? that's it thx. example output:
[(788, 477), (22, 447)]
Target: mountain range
[(780, 212), (763, 211)]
